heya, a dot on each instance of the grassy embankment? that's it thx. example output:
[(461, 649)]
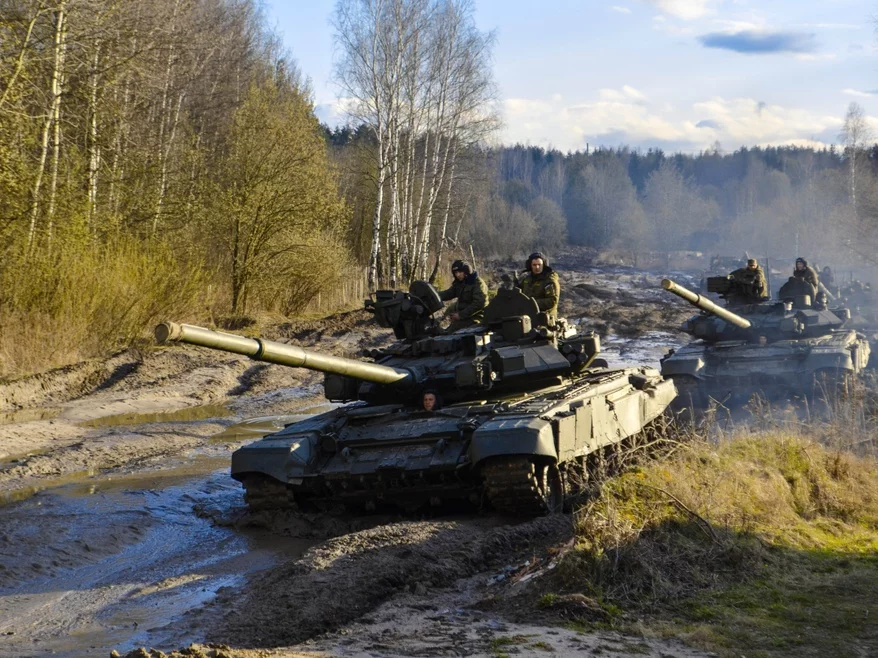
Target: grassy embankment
[(762, 541)]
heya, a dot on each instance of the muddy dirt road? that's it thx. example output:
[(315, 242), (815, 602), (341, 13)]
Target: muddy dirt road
[(120, 527)]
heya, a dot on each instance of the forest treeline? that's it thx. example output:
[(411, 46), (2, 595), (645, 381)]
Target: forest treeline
[(776, 201), (158, 158), (162, 159), (782, 201)]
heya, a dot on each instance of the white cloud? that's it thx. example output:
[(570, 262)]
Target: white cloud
[(336, 112), (685, 9), (832, 26), (621, 10), (662, 24), (746, 121), (858, 93), (626, 93), (816, 57), (624, 116), (730, 26)]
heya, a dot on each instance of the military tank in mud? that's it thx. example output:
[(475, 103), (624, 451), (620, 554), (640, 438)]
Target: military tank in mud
[(524, 409), (790, 347)]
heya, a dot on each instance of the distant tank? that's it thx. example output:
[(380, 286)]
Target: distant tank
[(526, 407), (784, 348)]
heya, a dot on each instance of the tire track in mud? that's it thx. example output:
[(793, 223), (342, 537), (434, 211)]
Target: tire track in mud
[(348, 576), (66, 383)]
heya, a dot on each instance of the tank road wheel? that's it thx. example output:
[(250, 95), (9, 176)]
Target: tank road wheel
[(522, 487), (265, 493)]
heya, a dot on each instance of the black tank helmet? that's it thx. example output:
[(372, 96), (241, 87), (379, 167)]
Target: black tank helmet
[(461, 266), (533, 257)]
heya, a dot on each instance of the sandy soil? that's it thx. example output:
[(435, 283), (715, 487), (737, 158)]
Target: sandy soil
[(120, 528)]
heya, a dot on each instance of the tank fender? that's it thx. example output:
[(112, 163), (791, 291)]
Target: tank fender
[(818, 360), (513, 435), (286, 459), (683, 366)]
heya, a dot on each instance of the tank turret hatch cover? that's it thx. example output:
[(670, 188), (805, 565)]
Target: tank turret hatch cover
[(511, 302), (427, 295)]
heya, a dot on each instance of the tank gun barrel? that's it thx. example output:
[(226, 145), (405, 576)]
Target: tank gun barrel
[(705, 304), (280, 353)]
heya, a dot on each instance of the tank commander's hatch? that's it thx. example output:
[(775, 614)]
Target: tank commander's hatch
[(511, 303)]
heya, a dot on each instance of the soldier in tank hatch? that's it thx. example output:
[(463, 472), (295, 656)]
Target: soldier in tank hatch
[(806, 272), (431, 400), (752, 278), (471, 294), (827, 278), (542, 283)]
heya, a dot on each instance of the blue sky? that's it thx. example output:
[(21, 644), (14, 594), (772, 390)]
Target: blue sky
[(675, 74)]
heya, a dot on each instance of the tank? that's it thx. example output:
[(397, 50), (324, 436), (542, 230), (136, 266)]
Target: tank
[(788, 347), (525, 407)]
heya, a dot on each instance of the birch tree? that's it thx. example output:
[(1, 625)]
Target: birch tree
[(417, 72), (855, 135)]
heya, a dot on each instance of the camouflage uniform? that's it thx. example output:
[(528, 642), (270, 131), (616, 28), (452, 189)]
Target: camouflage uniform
[(544, 287), (752, 279), (808, 274), (472, 297)]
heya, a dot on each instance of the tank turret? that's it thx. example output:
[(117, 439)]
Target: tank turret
[(512, 355), (795, 316), (520, 408)]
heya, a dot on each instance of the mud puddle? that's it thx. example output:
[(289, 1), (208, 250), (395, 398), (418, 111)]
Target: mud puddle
[(116, 562), (28, 415), (187, 414), (647, 349)]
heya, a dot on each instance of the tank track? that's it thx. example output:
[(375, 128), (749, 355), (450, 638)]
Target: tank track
[(518, 486), (514, 485), (264, 493)]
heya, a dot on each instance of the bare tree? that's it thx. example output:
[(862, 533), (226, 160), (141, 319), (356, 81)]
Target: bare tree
[(417, 72), (855, 135)]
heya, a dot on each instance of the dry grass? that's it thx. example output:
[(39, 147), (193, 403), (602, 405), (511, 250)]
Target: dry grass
[(84, 301), (759, 539)]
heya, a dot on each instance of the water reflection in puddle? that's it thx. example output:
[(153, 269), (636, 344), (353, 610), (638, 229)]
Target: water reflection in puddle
[(646, 349), (145, 549), (28, 415), (202, 412)]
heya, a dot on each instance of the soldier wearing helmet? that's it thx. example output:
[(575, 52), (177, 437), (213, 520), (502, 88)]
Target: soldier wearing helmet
[(752, 279), (471, 294), (542, 283), (806, 272)]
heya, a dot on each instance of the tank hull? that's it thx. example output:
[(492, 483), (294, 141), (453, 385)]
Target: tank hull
[(515, 454), (738, 369)]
